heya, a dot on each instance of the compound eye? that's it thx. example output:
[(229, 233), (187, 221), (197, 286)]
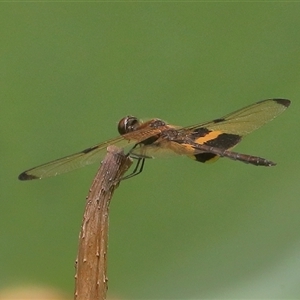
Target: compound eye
[(128, 124)]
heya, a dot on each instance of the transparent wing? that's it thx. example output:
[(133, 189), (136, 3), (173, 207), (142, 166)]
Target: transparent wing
[(88, 156), (74, 161), (240, 123), (247, 119)]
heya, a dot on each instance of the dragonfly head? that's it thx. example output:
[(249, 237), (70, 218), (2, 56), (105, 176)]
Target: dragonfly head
[(128, 124)]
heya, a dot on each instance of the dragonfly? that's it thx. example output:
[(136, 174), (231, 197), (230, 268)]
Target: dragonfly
[(204, 142)]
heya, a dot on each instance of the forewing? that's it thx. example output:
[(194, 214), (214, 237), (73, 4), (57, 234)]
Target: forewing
[(88, 156), (247, 119), (74, 161)]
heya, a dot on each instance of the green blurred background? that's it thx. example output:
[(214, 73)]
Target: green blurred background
[(180, 230)]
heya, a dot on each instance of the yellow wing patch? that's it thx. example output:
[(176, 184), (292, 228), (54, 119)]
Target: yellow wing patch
[(209, 136)]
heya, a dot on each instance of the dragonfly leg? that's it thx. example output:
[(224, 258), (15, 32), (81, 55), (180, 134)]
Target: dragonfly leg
[(138, 168)]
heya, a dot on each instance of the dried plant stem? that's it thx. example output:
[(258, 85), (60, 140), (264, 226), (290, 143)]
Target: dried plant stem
[(91, 263)]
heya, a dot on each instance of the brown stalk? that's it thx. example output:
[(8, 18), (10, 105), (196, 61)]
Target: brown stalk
[(91, 262)]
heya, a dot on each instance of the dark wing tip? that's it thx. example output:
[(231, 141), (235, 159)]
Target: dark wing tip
[(284, 102), (25, 176)]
